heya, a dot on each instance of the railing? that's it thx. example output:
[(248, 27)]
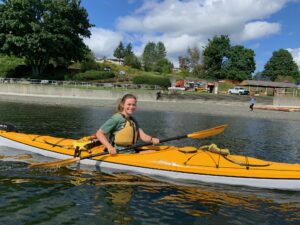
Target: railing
[(285, 93), (79, 84)]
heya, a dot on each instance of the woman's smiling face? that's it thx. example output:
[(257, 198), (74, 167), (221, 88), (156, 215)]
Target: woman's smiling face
[(129, 107)]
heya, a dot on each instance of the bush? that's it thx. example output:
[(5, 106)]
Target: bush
[(20, 71), (8, 64), (161, 81), (94, 75)]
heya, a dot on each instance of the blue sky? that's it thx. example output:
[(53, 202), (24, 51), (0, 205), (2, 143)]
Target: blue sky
[(262, 25)]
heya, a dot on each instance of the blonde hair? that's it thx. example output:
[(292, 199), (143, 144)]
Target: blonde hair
[(120, 105)]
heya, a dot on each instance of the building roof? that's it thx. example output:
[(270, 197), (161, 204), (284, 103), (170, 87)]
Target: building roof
[(260, 83)]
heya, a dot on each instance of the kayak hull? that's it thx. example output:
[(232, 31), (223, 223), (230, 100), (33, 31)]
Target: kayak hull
[(169, 162)]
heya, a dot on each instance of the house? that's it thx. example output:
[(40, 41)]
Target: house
[(111, 60), (264, 88)]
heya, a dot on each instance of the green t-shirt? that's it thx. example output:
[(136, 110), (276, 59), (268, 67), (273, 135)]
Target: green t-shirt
[(115, 123)]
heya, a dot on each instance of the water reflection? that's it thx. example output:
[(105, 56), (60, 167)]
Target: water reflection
[(74, 196), (69, 194)]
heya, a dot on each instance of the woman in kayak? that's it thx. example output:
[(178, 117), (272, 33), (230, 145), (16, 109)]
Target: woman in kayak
[(122, 129)]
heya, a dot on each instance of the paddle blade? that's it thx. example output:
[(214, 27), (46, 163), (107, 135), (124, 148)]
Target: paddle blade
[(209, 132), (55, 164)]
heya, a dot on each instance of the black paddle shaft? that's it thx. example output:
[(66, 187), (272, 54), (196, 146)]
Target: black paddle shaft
[(136, 146)]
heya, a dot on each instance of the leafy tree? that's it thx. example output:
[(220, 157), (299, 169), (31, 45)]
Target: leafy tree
[(129, 57), (163, 66), (88, 63), (128, 50), (194, 59), (119, 52), (43, 30), (191, 63), (240, 63), (133, 61), (285, 79), (281, 64), (149, 56), (161, 51), (260, 76), (154, 58), (184, 65), (223, 61), (214, 55)]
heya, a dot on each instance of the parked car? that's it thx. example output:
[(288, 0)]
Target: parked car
[(238, 91)]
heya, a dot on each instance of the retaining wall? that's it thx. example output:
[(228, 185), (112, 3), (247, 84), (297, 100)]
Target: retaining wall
[(65, 92), (286, 101), (145, 95)]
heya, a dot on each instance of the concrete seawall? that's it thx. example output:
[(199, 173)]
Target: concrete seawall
[(66, 92), (286, 101), (208, 104), (51, 91)]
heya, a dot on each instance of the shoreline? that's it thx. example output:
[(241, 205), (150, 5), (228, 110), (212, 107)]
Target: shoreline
[(212, 108)]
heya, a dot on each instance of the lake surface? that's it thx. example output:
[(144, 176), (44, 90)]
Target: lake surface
[(75, 196)]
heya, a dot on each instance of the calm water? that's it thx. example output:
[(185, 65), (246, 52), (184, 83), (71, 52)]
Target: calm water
[(74, 196)]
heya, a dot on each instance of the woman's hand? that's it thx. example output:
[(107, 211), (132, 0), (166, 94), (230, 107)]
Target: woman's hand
[(102, 138), (112, 151), (147, 138), (154, 140)]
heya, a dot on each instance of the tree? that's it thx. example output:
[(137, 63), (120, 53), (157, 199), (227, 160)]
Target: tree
[(43, 30), (133, 61), (119, 52), (240, 63), (184, 65), (161, 51), (128, 55), (214, 54), (128, 50), (191, 63), (154, 58), (163, 66), (259, 76), (223, 61), (89, 62), (281, 64), (194, 59), (149, 56)]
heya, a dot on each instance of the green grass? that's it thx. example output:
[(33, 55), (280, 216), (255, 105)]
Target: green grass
[(224, 87)]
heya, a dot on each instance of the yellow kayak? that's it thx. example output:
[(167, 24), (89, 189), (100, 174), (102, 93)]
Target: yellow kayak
[(185, 164)]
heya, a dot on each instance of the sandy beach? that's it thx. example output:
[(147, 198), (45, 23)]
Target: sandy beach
[(206, 107)]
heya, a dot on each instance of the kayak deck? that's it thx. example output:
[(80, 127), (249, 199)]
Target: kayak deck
[(170, 158)]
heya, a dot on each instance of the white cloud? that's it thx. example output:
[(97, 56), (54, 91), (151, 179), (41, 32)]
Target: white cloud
[(103, 42), (198, 17), (187, 23), (296, 54), (256, 30), (179, 24)]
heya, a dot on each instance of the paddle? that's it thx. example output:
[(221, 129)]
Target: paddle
[(199, 134)]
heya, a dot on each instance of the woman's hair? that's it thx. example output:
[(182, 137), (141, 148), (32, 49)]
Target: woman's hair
[(120, 105)]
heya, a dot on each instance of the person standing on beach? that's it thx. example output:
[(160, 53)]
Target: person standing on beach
[(252, 102), (122, 129)]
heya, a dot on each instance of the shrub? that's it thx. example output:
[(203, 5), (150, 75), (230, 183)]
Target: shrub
[(161, 81), (94, 75), (20, 71), (8, 64)]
